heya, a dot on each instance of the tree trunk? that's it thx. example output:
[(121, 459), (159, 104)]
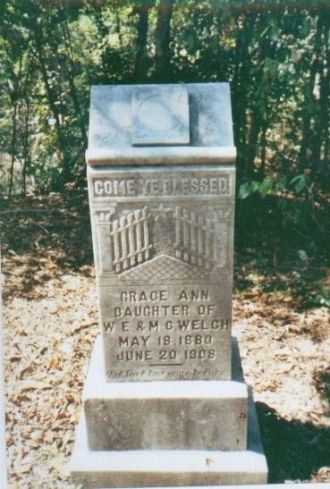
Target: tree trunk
[(66, 171), (141, 60), (259, 119), (13, 146), (309, 99), (241, 78), (26, 145), (162, 40), (321, 125), (325, 96), (263, 144), (73, 90)]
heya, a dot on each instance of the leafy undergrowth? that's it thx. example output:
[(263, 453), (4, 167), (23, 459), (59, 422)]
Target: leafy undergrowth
[(51, 323)]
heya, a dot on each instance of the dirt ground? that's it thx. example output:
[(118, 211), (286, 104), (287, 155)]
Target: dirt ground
[(50, 320)]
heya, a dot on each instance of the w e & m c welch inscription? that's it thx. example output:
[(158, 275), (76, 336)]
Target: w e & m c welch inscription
[(163, 241)]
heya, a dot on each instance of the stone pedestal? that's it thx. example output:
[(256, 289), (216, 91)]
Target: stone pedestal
[(164, 402), (163, 415), (216, 442)]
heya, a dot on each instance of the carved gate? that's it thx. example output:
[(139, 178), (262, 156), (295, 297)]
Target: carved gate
[(130, 241), (197, 240)]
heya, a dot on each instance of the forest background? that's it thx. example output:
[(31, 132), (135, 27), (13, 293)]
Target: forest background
[(276, 56)]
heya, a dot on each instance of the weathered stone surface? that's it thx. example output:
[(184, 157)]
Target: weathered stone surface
[(160, 115), (111, 125), (163, 243), (146, 468), (160, 405), (169, 415), (164, 155), (165, 468)]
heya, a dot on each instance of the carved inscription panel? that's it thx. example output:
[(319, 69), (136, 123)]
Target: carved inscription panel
[(163, 253), (166, 332)]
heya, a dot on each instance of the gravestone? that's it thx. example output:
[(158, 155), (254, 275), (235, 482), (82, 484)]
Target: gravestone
[(164, 401)]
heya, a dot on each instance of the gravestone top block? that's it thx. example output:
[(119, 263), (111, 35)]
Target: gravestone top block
[(160, 124)]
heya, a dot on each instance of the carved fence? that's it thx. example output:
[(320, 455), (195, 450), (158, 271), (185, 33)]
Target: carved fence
[(126, 242), (130, 242), (197, 239)]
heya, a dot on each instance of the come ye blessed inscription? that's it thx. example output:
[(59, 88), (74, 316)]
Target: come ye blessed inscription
[(164, 242)]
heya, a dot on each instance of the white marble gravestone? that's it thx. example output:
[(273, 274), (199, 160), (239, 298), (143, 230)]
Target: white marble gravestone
[(164, 402)]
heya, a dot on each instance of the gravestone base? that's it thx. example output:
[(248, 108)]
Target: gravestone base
[(168, 467), (209, 415), (146, 468)]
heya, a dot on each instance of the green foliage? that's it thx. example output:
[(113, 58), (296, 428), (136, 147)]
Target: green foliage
[(274, 54), (263, 187), (320, 300), (299, 183)]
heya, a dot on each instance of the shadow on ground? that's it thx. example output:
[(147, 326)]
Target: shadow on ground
[(295, 451)]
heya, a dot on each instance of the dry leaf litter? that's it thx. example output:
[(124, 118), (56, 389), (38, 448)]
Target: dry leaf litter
[(50, 326)]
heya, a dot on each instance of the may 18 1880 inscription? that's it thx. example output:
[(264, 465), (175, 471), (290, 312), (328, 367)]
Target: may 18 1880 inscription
[(164, 247)]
